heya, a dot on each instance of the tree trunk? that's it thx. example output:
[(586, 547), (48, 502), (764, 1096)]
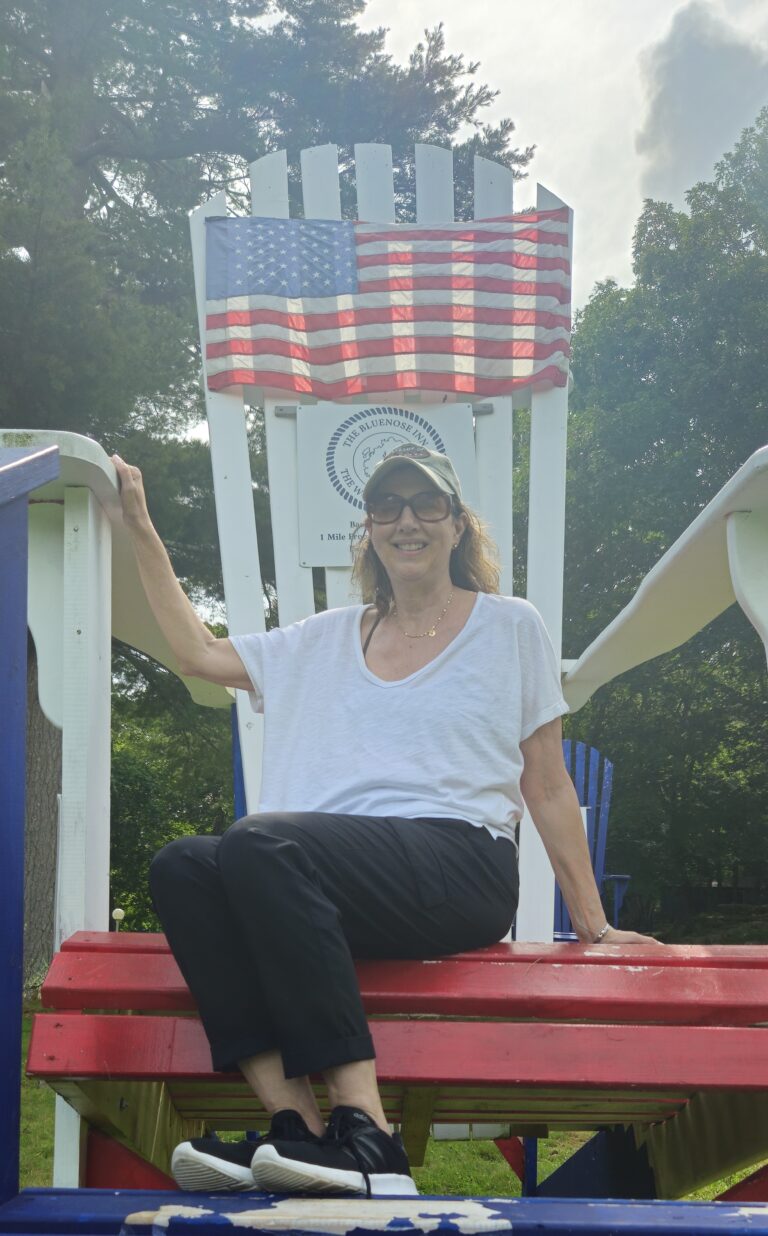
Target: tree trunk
[(43, 782)]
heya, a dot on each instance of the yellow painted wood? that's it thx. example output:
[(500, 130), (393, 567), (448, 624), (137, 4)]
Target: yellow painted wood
[(418, 1108), (716, 1133), (140, 1115)]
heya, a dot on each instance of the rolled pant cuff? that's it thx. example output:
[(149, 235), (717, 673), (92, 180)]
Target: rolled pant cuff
[(225, 1055), (316, 1057)]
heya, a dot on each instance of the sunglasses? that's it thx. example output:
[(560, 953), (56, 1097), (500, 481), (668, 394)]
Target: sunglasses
[(430, 506)]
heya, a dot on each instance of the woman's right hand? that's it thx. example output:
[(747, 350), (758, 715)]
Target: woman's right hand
[(132, 496)]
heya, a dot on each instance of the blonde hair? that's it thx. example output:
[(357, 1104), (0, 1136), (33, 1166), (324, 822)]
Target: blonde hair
[(473, 565)]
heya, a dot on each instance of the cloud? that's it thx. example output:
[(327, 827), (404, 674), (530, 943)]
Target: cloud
[(704, 83)]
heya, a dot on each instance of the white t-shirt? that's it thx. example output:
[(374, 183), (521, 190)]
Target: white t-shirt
[(443, 742)]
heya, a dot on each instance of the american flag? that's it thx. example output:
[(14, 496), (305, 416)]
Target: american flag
[(335, 309)]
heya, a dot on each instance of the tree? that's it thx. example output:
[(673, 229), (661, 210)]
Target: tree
[(670, 397), (116, 118), (119, 118)]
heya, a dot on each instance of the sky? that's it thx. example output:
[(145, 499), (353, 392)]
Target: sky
[(623, 99)]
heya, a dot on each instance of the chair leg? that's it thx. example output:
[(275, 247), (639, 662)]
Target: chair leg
[(512, 1149), (610, 1164), (108, 1165), (530, 1176)]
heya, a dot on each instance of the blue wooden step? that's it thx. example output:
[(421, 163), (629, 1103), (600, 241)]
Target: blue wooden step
[(102, 1212)]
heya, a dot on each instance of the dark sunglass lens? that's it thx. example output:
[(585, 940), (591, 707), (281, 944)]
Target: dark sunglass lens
[(384, 510), (431, 505)]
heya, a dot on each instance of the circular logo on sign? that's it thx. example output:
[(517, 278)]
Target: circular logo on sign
[(365, 437)]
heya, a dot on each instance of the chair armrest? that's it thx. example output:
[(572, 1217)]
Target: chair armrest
[(719, 559), (85, 464)]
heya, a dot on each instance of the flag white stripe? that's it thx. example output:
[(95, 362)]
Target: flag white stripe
[(386, 300), (442, 362), (390, 330), (528, 248), (461, 270)]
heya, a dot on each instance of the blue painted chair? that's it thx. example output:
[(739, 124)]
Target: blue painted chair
[(592, 776)]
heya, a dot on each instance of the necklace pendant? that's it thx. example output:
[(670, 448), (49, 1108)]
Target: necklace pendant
[(432, 633)]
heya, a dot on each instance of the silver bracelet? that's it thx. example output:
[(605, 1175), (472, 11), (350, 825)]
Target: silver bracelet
[(601, 933)]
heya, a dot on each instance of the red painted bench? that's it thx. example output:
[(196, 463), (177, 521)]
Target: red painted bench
[(672, 1044)]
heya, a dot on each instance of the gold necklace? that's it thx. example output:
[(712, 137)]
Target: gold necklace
[(430, 631)]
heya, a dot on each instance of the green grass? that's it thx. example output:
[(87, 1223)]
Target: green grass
[(37, 1102), (462, 1169)]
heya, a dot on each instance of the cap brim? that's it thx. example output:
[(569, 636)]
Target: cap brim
[(391, 465)]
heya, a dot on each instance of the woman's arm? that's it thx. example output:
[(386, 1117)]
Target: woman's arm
[(197, 650), (552, 802)]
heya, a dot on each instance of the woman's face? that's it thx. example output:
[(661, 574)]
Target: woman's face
[(412, 549)]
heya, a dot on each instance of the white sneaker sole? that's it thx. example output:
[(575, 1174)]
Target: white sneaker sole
[(279, 1175), (204, 1173)]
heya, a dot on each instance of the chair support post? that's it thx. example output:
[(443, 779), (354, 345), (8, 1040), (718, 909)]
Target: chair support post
[(19, 473), (13, 567)]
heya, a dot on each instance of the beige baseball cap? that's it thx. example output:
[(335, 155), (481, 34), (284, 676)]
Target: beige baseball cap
[(435, 466)]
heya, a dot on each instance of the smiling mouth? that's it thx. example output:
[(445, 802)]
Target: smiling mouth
[(411, 547)]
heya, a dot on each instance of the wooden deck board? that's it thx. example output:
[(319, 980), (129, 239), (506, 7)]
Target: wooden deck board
[(462, 1054)]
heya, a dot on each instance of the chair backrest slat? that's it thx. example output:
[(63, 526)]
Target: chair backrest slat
[(269, 186), (322, 200), (434, 184), (592, 777), (374, 183), (546, 504), (606, 789), (375, 204), (494, 196), (295, 594), (320, 182), (592, 802)]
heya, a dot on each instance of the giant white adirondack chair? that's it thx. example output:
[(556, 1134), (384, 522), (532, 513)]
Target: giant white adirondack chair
[(493, 196), (84, 584)]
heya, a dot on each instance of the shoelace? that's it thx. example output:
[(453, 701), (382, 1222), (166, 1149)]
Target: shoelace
[(346, 1140)]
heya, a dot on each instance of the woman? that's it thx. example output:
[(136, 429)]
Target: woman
[(401, 737)]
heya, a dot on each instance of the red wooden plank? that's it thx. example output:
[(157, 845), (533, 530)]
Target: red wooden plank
[(452, 987), (108, 1165), (431, 1052), (116, 942), (743, 956), (753, 1188)]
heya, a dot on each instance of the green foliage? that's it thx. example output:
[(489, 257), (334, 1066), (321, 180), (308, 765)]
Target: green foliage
[(170, 777), (117, 119), (671, 381)]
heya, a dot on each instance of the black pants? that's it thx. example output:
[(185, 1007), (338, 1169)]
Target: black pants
[(264, 921)]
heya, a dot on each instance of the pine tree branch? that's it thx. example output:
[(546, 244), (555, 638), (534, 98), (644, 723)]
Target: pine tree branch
[(19, 39), (217, 136)]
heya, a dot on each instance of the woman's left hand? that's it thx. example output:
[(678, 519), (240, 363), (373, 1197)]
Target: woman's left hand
[(615, 936)]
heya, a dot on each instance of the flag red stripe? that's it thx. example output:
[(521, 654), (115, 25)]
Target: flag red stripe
[(468, 283), (536, 236), (452, 345), (480, 257), (464, 384), (308, 322)]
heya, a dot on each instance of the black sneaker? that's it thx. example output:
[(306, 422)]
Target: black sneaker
[(354, 1156), (206, 1164)]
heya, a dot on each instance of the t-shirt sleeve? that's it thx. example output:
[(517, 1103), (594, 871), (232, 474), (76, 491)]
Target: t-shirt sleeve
[(541, 695), (250, 649)]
